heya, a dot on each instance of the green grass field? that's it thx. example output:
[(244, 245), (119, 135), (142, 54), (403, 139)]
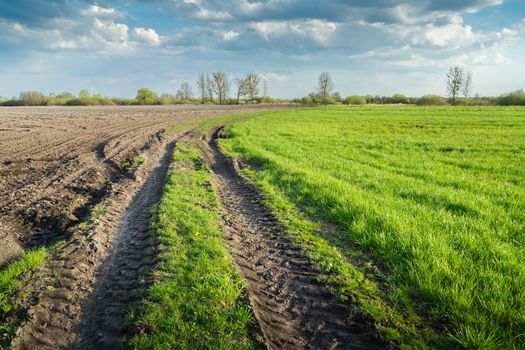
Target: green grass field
[(434, 197)]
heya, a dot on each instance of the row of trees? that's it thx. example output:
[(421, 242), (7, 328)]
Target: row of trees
[(217, 87)]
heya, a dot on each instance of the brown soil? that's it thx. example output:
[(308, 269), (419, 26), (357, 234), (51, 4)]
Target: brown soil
[(55, 164), (294, 309)]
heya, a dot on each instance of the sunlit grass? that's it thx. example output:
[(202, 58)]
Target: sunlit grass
[(10, 282), (434, 196)]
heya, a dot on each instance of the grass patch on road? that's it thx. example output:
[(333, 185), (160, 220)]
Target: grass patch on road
[(434, 197), (197, 300), (9, 284)]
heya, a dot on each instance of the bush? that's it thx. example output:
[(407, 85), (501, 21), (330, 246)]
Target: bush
[(355, 100), (399, 98), (516, 98), (328, 100), (146, 97), (33, 98), (431, 100)]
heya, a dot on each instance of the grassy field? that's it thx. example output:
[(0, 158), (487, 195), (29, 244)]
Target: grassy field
[(198, 298), (432, 197)]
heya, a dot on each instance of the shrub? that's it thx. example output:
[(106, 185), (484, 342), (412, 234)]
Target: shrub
[(146, 97), (33, 98), (328, 100), (355, 100), (399, 98), (516, 98), (431, 100)]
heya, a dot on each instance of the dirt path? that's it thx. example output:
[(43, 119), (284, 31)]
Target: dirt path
[(294, 310), (103, 324)]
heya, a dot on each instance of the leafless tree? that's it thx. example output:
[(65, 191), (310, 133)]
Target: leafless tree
[(203, 88), (221, 86), (185, 92), (241, 86), (467, 85), (326, 85), (265, 88), (455, 78), (209, 87), (252, 85)]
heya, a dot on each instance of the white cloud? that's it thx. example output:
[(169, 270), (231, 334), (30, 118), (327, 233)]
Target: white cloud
[(274, 76), (149, 36), (315, 29), (230, 35)]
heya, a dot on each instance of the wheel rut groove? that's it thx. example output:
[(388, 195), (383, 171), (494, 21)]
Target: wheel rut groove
[(294, 309), (103, 324), (95, 277)]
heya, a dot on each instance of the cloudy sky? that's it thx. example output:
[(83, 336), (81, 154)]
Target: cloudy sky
[(370, 47)]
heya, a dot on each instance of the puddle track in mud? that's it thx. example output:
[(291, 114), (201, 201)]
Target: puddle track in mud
[(99, 275), (294, 309)]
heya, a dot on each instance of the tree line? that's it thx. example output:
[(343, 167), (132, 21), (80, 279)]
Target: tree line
[(218, 88)]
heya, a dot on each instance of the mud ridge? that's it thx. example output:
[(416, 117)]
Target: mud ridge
[(294, 309)]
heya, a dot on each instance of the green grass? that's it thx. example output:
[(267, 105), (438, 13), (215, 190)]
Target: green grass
[(198, 299), (9, 283), (433, 196)]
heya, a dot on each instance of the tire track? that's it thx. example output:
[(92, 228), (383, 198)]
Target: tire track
[(294, 310), (103, 264), (103, 323)]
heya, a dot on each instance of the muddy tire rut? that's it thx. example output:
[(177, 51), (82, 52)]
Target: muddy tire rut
[(96, 276), (294, 309)]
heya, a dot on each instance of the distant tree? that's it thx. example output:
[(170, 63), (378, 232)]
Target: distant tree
[(185, 92), (203, 87), (455, 79), (241, 88), (337, 96), (467, 85), (265, 88), (325, 84), (146, 96), (84, 94), (252, 85), (221, 86), (32, 98), (209, 87), (167, 96)]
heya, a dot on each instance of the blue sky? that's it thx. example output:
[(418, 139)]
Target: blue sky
[(370, 47)]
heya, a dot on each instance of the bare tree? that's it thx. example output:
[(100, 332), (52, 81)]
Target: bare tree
[(221, 86), (326, 85), (203, 88), (209, 87), (467, 85), (265, 88), (241, 86), (185, 92), (455, 78), (252, 85)]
